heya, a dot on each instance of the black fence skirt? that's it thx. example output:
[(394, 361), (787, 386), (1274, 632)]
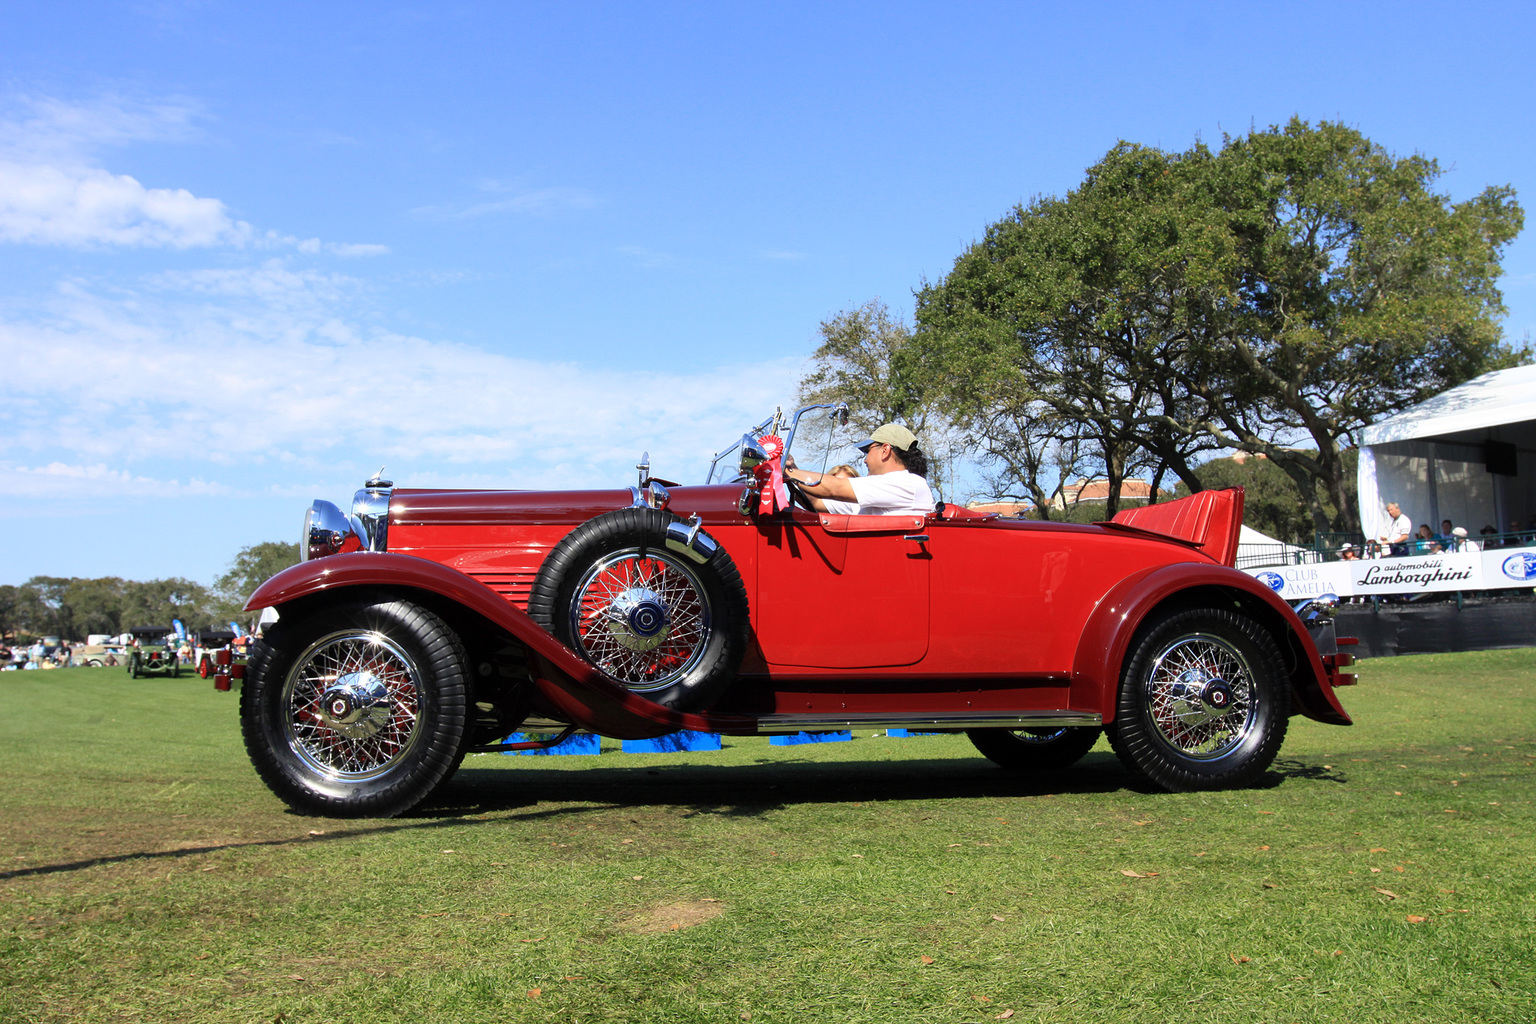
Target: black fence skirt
[(1439, 627)]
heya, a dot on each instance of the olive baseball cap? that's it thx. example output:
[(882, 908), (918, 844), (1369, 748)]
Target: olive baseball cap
[(893, 434)]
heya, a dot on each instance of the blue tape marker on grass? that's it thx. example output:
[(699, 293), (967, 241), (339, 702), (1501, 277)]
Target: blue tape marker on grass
[(674, 742), (790, 739)]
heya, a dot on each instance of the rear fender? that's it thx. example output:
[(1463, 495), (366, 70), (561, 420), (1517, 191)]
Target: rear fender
[(1107, 636), (590, 699)]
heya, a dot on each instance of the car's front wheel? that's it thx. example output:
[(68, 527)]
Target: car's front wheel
[(356, 708), (1202, 703), (1033, 750)]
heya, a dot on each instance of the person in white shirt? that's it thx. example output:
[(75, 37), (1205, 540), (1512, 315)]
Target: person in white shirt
[(1399, 527), (894, 486)]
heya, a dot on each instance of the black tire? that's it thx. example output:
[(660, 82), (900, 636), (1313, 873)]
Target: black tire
[(673, 630), (1034, 750), (1202, 702), (357, 708)]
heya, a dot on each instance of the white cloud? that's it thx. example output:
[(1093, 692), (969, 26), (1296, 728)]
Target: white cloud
[(57, 480), (53, 190), (261, 378), (48, 130), (88, 207)]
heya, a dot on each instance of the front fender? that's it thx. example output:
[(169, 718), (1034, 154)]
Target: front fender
[(589, 698), (1107, 636)]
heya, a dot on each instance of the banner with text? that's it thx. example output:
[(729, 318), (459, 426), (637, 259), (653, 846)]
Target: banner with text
[(1498, 569)]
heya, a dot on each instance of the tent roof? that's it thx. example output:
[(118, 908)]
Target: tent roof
[(1503, 396), (1247, 536)]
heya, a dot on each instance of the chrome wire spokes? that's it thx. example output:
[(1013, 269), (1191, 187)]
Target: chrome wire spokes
[(641, 619), (1199, 696), (353, 701)]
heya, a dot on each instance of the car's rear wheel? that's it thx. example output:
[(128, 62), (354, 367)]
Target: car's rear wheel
[(357, 708), (1202, 703), (666, 626), (1032, 750)]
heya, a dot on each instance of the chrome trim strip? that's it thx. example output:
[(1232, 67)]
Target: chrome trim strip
[(942, 720)]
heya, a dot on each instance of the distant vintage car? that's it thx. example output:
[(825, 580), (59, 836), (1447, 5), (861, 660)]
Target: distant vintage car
[(153, 652), (427, 624)]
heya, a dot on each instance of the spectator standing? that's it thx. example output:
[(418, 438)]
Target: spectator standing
[(1395, 537)]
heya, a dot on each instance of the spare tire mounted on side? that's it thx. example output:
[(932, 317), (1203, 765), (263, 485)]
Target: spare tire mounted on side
[(659, 622)]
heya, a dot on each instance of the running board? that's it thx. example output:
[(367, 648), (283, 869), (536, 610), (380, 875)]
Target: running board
[(942, 720)]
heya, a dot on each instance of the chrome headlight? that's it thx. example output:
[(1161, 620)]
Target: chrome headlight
[(752, 454), (329, 531)]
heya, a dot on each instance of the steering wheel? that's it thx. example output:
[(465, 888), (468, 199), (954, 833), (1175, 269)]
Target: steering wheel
[(797, 496)]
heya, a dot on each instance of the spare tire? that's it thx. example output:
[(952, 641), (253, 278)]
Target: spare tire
[(668, 627)]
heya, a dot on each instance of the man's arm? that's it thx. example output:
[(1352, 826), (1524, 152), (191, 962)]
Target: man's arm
[(838, 488)]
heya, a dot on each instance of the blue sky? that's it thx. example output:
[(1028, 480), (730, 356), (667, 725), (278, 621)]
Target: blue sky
[(249, 253)]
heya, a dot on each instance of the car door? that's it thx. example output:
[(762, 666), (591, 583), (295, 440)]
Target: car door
[(842, 592)]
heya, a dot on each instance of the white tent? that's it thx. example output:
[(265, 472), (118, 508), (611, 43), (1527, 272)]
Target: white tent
[(1435, 458), (1256, 549)]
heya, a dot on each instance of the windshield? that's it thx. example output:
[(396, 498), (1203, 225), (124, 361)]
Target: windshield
[(812, 434)]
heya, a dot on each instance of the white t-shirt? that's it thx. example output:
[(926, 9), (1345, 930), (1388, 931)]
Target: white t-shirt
[(900, 493), (1402, 526)]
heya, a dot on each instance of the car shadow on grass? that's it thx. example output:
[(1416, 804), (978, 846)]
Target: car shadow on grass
[(474, 795), (771, 784)]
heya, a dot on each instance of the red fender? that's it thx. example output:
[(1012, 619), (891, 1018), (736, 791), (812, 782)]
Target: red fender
[(589, 698), (1102, 647)]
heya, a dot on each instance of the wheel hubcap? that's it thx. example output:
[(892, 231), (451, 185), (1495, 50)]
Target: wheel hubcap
[(638, 619), (356, 705), (1196, 698)]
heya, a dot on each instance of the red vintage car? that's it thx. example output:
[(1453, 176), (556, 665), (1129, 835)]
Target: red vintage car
[(427, 624)]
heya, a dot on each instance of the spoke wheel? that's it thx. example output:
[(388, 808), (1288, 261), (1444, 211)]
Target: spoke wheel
[(1202, 701), (654, 621), (1035, 749), (1198, 696), (353, 705), (643, 619), (356, 708)]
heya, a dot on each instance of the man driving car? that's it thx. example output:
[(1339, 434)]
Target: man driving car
[(895, 483)]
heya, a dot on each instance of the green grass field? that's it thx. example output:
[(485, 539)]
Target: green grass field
[(1386, 872)]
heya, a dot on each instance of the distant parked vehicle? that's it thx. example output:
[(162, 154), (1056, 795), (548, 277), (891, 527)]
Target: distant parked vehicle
[(153, 652)]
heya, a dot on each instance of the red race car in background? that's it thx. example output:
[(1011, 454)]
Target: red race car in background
[(426, 624)]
